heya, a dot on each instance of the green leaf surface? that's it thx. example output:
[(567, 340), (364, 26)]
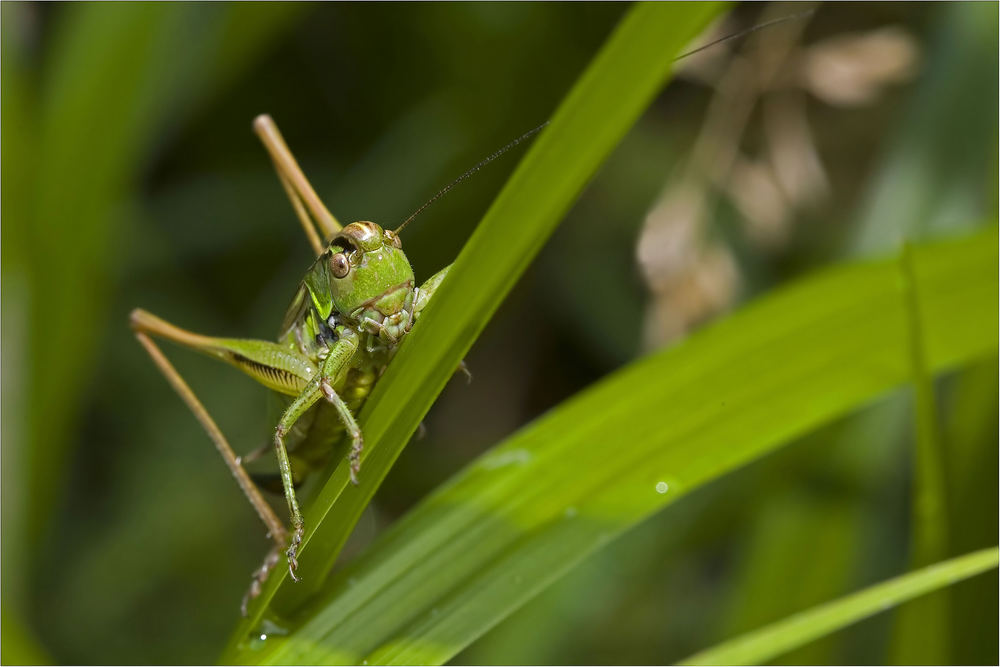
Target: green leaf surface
[(773, 640), (524, 513), (602, 106)]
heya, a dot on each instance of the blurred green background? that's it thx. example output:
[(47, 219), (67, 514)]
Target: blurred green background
[(131, 177)]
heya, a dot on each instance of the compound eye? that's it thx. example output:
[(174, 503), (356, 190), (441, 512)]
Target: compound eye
[(340, 265)]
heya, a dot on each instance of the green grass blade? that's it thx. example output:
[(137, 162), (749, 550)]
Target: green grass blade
[(602, 106), (921, 633), (771, 641), (20, 646), (523, 514)]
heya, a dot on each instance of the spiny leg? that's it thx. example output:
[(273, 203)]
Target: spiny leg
[(275, 529), (278, 368), (293, 179), (334, 365), (357, 441), (260, 576), (269, 363), (296, 409)]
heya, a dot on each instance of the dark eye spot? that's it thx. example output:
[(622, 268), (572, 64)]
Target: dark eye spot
[(340, 265)]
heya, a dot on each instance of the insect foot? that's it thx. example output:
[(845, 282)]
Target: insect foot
[(293, 550), (259, 577)]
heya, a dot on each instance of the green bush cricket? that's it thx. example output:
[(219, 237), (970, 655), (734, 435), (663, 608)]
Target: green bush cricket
[(354, 306)]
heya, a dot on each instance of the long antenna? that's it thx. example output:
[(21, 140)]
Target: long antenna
[(748, 31), (531, 133), (470, 172)]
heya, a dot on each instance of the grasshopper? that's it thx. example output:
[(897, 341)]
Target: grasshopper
[(353, 308)]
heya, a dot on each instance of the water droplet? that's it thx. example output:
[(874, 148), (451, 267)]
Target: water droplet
[(662, 487), (267, 631)]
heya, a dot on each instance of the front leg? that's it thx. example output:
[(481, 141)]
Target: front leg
[(426, 291), (335, 363), (357, 441), (334, 366), (424, 294)]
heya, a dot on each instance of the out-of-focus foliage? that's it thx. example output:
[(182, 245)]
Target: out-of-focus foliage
[(130, 177)]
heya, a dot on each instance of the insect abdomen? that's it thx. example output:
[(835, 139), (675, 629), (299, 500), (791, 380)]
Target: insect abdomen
[(357, 386)]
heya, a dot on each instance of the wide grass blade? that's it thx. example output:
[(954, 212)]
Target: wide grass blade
[(524, 513), (602, 106), (773, 640)]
